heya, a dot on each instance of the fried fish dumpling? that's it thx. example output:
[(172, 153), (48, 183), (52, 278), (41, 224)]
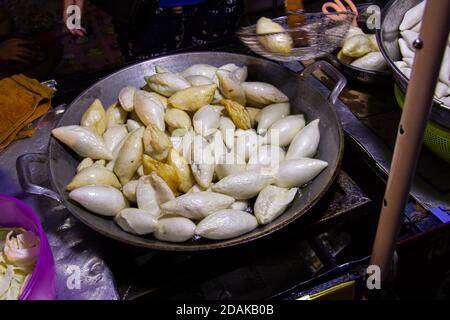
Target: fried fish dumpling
[(136, 221), (305, 142), (206, 120), (284, 130), (146, 197), (149, 109), (177, 119), (266, 157), (226, 224), (229, 163), (357, 46), (192, 99), (94, 175), (246, 143), (271, 202), (200, 69), (126, 98), (202, 161), (129, 190), (183, 169), (167, 83), (129, 158), (244, 185), (84, 141), (95, 117), (277, 40), (156, 143), (238, 113), (261, 94), (85, 163), (271, 114), (115, 115), (197, 205), (227, 127), (114, 135), (165, 171), (103, 200), (230, 87), (174, 229), (295, 173)]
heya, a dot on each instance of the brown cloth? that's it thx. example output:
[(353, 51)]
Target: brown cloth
[(22, 100)]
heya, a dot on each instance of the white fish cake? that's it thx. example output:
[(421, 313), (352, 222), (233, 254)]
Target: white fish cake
[(200, 69), (266, 157), (261, 94), (95, 117), (114, 135), (230, 87), (229, 163), (305, 142), (270, 114), (295, 173), (241, 205), (129, 190), (126, 98), (226, 224), (206, 120), (130, 156), (149, 109), (136, 221), (115, 115), (244, 185), (85, 163), (94, 175), (202, 161), (174, 229), (84, 141), (103, 200), (146, 197), (283, 131), (197, 205), (167, 83), (246, 143), (272, 201)]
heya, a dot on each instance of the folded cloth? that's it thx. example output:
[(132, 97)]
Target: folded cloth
[(22, 100)]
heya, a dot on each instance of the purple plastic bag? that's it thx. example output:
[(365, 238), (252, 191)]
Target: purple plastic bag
[(41, 285)]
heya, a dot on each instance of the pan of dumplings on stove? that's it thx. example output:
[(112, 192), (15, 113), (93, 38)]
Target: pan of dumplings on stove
[(194, 151)]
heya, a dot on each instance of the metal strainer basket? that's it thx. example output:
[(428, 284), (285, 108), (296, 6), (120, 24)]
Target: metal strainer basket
[(319, 35), (437, 138)]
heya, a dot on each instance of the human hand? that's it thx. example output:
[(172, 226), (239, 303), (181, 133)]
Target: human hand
[(15, 50), (67, 16)]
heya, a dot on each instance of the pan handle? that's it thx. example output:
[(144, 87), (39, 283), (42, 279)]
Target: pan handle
[(25, 176), (331, 71)]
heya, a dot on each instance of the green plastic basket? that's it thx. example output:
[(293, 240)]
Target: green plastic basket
[(437, 138)]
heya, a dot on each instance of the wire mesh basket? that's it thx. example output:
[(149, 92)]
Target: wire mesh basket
[(319, 35), (437, 138)]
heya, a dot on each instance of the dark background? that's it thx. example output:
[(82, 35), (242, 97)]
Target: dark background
[(120, 32)]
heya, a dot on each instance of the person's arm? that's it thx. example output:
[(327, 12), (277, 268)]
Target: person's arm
[(16, 50), (67, 16)]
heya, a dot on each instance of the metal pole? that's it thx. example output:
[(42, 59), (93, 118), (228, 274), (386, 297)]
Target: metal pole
[(429, 53)]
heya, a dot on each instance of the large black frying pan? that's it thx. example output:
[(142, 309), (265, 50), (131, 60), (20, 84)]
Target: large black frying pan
[(304, 98)]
